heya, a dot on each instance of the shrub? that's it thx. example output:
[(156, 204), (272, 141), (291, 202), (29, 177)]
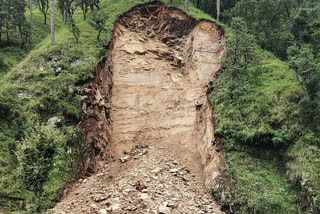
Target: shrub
[(35, 157)]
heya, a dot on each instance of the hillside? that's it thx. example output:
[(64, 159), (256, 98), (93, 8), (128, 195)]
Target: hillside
[(150, 117)]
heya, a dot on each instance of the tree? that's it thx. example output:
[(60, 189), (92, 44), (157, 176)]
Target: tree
[(74, 29), (240, 49), (84, 7), (12, 17), (186, 3), (2, 18), (85, 4), (18, 19), (307, 69), (218, 10), (24, 31), (44, 7), (239, 56), (30, 20), (52, 23), (93, 3), (98, 21), (65, 7), (267, 21)]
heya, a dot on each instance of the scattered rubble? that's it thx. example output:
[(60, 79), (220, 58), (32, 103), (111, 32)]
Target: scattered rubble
[(143, 185)]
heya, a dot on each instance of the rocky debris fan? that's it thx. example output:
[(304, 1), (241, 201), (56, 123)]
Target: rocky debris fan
[(155, 183)]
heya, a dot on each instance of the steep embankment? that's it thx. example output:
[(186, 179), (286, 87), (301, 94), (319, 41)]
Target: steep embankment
[(152, 90)]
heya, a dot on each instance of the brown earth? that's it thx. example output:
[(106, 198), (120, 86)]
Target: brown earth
[(148, 107)]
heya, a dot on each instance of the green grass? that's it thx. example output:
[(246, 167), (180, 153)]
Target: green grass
[(254, 185), (257, 126), (304, 171)]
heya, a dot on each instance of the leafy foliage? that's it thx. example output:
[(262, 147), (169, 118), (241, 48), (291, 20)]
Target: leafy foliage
[(307, 69), (98, 21), (35, 157), (12, 17)]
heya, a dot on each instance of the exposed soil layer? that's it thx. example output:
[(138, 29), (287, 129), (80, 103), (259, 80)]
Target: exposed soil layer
[(152, 90), (162, 62)]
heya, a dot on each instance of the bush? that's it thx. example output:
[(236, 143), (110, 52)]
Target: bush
[(36, 158)]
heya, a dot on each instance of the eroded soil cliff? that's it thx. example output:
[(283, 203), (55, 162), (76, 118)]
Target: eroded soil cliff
[(150, 93)]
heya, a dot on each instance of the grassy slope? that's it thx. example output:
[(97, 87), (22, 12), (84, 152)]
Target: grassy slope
[(267, 158), (254, 129), (50, 78)]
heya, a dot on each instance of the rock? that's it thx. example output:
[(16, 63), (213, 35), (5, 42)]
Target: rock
[(114, 207), (94, 206), (215, 175), (83, 97), (99, 198), (125, 158), (175, 162), (185, 179), (54, 121), (76, 63), (102, 211), (140, 186), (22, 95), (156, 171), (171, 204), (145, 197), (163, 209), (175, 170)]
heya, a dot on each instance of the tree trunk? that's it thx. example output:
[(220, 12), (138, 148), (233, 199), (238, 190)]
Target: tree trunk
[(99, 33), (30, 33), (218, 10), (45, 18), (198, 4), (186, 2), (52, 22)]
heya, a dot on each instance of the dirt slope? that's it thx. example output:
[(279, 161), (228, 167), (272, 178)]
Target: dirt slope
[(151, 90)]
